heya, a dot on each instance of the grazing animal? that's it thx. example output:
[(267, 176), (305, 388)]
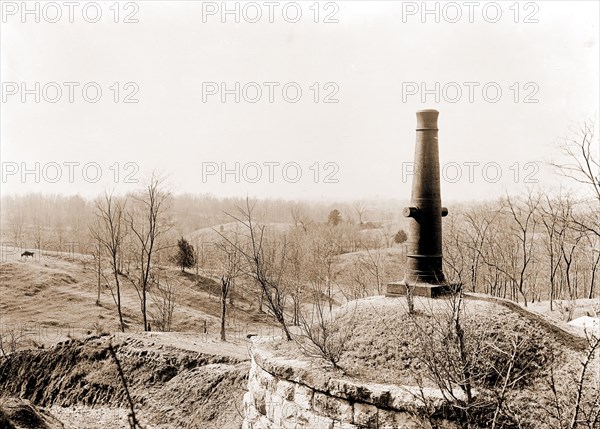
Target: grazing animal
[(27, 253)]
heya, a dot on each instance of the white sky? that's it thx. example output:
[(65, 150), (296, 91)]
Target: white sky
[(368, 134)]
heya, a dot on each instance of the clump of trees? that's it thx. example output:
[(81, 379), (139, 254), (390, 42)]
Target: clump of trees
[(525, 249), (543, 245)]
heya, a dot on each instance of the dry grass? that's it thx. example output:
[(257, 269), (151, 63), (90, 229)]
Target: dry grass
[(53, 298)]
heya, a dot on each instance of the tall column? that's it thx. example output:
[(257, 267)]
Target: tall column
[(424, 248)]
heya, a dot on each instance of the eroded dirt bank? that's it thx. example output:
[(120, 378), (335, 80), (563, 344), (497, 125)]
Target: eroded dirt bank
[(77, 381)]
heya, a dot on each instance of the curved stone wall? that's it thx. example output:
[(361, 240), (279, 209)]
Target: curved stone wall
[(287, 393)]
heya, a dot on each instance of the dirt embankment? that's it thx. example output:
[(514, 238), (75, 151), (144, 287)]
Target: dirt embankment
[(171, 387), (21, 414)]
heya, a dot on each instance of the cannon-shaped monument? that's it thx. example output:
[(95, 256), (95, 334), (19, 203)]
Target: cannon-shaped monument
[(424, 274)]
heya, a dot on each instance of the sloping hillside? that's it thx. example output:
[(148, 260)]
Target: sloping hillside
[(48, 299), (210, 235)]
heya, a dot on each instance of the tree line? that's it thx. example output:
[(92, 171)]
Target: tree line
[(543, 245)]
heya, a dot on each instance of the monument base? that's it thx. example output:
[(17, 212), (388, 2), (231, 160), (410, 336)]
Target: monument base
[(398, 289)]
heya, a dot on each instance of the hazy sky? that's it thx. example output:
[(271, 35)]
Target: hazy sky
[(374, 61)]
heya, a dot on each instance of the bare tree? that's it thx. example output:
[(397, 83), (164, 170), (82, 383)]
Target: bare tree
[(266, 264), (483, 235), (554, 215), (109, 231), (594, 261), (582, 163), (360, 207), (578, 406), (297, 275), (12, 338), (524, 216), (38, 229), (164, 299), (360, 284), (511, 249), (326, 336), (300, 218), (325, 248), (375, 265), (388, 228), (456, 250), (149, 222), (568, 249), (231, 268), (16, 220), (98, 257)]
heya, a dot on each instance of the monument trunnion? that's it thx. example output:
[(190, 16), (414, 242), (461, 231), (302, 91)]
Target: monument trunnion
[(424, 275)]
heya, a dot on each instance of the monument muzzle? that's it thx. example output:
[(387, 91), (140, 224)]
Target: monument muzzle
[(424, 274)]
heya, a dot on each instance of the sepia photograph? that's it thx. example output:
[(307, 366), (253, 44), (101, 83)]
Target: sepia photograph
[(311, 214)]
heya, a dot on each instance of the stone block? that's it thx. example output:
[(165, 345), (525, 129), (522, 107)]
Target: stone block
[(353, 391), (309, 420), (335, 408), (273, 403), (259, 400), (288, 415), (250, 411), (252, 417), (395, 420), (266, 380), (285, 389), (303, 397), (254, 383), (365, 415)]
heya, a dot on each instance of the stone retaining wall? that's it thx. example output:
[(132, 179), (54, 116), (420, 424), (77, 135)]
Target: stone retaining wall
[(288, 393)]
